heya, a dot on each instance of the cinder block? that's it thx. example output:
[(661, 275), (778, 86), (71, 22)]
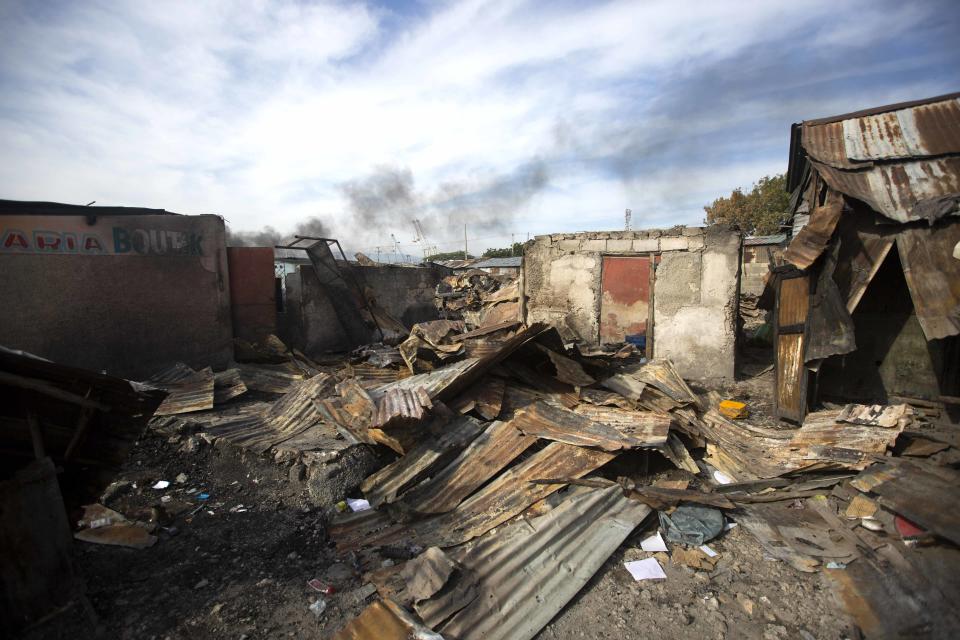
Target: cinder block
[(674, 243), (569, 245), (695, 243), (693, 231), (619, 245), (646, 245), (593, 244)]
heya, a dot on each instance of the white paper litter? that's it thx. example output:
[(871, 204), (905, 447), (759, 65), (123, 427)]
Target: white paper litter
[(721, 477), (729, 525), (358, 504), (707, 550), (162, 484), (646, 569), (654, 543)]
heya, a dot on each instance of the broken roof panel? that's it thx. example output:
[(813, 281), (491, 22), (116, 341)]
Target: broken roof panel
[(188, 394), (385, 620), (610, 429), (261, 428), (486, 456), (386, 484), (933, 276), (531, 569)]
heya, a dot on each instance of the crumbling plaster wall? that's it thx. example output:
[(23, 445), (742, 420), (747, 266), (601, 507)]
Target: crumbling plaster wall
[(127, 294), (695, 291)]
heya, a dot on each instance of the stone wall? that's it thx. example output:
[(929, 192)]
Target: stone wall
[(695, 290)]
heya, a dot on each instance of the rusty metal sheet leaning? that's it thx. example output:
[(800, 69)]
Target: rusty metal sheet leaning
[(814, 237), (503, 498), (186, 395), (661, 374), (569, 370), (530, 570), (610, 429), (386, 484), (486, 456), (933, 275)]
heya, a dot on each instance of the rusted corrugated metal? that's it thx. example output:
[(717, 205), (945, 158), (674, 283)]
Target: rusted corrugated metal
[(401, 404), (919, 131), (542, 420), (531, 569), (290, 416), (486, 456), (895, 159), (662, 374), (386, 484), (193, 393), (898, 190), (810, 242), (503, 498), (933, 276), (269, 378), (227, 385)]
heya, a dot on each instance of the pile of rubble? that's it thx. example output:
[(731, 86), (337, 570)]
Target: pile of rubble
[(522, 464), (478, 298), (500, 505)]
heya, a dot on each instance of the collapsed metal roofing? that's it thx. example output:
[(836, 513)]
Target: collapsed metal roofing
[(899, 159)]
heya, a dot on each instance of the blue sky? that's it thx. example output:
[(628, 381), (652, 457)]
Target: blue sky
[(511, 117)]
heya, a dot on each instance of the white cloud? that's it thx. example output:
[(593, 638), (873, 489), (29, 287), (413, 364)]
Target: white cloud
[(260, 110)]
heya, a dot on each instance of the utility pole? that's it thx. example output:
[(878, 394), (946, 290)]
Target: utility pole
[(512, 243), (465, 254), (626, 219)]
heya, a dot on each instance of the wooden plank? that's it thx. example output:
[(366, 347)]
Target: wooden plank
[(793, 294), (651, 306)]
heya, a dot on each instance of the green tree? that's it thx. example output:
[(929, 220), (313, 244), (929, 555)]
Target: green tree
[(760, 212), (449, 255), (515, 250)]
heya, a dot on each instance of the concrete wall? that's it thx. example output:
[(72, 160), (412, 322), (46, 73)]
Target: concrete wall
[(252, 292), (405, 292), (310, 323), (695, 291), (126, 294), (755, 266)]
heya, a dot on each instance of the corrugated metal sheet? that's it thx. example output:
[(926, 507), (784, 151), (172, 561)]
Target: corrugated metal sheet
[(194, 393), (290, 416), (269, 378), (662, 374), (485, 457), (401, 404), (752, 241), (895, 190), (502, 499), (386, 484), (227, 385), (933, 276), (917, 131), (543, 420), (531, 569), (810, 242)]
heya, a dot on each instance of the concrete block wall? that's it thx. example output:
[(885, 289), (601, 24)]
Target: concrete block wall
[(695, 291), (310, 323)]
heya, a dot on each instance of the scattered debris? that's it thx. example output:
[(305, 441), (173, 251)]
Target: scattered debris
[(646, 569)]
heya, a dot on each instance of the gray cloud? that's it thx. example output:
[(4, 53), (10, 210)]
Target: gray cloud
[(270, 237)]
